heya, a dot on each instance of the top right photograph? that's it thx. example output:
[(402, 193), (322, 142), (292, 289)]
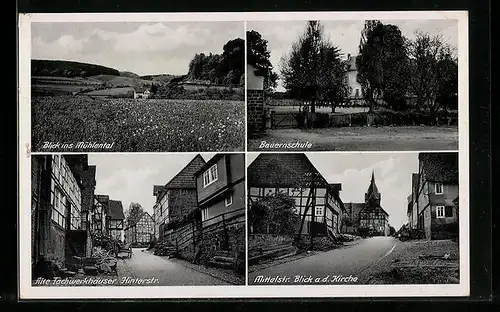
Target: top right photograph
[(353, 85)]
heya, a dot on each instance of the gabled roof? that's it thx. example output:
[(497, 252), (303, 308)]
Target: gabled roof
[(115, 210), (439, 167), (283, 170), (185, 178)]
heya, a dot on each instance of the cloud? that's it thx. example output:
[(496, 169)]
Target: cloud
[(143, 48)]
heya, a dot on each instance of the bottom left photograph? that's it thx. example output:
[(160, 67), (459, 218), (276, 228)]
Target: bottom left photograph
[(138, 219)]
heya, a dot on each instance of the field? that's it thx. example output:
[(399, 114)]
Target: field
[(144, 126)]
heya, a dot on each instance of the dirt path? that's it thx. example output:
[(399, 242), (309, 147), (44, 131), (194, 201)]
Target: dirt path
[(363, 138)]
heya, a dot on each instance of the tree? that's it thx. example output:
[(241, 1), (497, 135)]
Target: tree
[(133, 213), (382, 64), (313, 69), (274, 214), (392, 231), (434, 73), (258, 56)]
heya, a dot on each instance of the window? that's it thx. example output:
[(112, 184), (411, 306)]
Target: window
[(204, 214), (439, 188), (448, 211), (318, 211), (229, 200), (440, 211), (210, 176), (59, 208)]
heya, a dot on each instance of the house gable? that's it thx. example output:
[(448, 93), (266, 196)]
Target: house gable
[(186, 177), (284, 170)]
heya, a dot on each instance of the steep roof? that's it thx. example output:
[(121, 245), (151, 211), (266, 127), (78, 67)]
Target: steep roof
[(185, 178), (439, 167), (115, 210), (373, 189), (285, 170)]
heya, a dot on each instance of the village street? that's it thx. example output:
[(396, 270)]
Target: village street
[(352, 260), (376, 260), (144, 265)]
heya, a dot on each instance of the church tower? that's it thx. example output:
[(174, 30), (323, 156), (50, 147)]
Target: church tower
[(372, 196)]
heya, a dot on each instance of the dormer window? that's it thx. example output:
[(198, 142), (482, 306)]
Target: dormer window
[(439, 188), (210, 176)]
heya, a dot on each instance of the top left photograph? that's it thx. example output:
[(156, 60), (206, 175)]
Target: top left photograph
[(137, 86)]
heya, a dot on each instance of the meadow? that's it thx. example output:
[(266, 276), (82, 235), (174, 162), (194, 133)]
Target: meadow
[(152, 125)]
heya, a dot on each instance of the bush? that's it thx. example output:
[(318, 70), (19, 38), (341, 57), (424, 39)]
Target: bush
[(322, 120)]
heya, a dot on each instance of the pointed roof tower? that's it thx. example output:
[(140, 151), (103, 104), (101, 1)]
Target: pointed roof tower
[(373, 195)]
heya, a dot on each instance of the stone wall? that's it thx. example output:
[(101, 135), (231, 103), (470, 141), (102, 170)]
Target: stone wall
[(255, 112), (255, 240)]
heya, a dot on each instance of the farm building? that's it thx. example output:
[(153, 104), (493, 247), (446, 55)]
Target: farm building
[(115, 220), (141, 92), (177, 198), (316, 200), (141, 232), (351, 78)]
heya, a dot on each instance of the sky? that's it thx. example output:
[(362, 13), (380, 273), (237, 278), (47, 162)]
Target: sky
[(393, 172), (343, 34), (131, 177), (142, 48)]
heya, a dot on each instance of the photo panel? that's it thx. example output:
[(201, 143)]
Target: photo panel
[(354, 219), (146, 86), (353, 84), (101, 220)]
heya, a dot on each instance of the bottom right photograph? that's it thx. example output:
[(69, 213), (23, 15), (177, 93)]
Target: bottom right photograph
[(353, 218)]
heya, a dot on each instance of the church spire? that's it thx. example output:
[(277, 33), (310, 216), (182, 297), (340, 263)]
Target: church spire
[(372, 192)]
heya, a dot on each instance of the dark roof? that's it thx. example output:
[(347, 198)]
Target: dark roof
[(372, 188), (285, 170), (157, 189), (439, 167), (185, 178), (209, 163), (102, 198), (115, 210), (353, 209)]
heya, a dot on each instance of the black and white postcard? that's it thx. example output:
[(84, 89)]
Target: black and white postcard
[(354, 85), (243, 155)]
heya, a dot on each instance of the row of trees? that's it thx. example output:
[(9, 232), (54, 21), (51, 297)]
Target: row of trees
[(394, 68), (390, 67), (221, 69)]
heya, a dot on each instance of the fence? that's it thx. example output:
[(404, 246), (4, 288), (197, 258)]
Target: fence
[(197, 240)]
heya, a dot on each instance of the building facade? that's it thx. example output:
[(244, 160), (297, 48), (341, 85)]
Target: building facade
[(436, 195), (369, 215), (294, 175), (221, 188), (178, 198), (62, 189), (140, 232), (115, 220), (356, 91)]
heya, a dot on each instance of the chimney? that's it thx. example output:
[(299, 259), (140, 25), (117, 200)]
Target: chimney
[(348, 56)]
